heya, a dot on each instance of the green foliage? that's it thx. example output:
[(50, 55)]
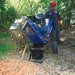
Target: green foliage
[(28, 7), (6, 47), (11, 14), (7, 14), (4, 35), (2, 9), (5, 43), (65, 8)]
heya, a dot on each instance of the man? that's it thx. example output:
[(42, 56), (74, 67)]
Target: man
[(53, 14)]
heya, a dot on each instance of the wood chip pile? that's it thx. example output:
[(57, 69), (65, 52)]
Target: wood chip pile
[(19, 67)]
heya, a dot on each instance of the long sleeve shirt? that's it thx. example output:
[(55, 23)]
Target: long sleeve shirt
[(54, 15)]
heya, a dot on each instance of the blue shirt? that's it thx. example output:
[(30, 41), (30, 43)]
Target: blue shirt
[(54, 15)]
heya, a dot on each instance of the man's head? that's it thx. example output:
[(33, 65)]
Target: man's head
[(52, 5)]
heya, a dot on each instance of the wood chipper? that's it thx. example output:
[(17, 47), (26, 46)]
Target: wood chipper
[(39, 32)]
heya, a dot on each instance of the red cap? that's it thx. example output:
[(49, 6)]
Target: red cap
[(53, 3)]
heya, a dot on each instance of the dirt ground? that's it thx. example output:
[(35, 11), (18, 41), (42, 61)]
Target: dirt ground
[(62, 63)]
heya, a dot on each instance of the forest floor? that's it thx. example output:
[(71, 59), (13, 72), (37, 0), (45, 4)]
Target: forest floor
[(62, 63)]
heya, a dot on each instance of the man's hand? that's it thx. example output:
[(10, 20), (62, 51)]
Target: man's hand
[(60, 21)]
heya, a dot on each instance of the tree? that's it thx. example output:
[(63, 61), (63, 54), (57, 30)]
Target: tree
[(2, 9)]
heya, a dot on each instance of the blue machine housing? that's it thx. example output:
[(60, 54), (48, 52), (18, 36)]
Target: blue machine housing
[(36, 34), (47, 28)]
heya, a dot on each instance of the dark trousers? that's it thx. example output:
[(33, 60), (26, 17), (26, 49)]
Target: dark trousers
[(56, 31)]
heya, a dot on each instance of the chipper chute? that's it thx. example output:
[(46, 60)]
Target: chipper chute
[(39, 33)]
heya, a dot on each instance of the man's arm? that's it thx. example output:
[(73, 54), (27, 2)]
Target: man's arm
[(59, 18), (46, 14)]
